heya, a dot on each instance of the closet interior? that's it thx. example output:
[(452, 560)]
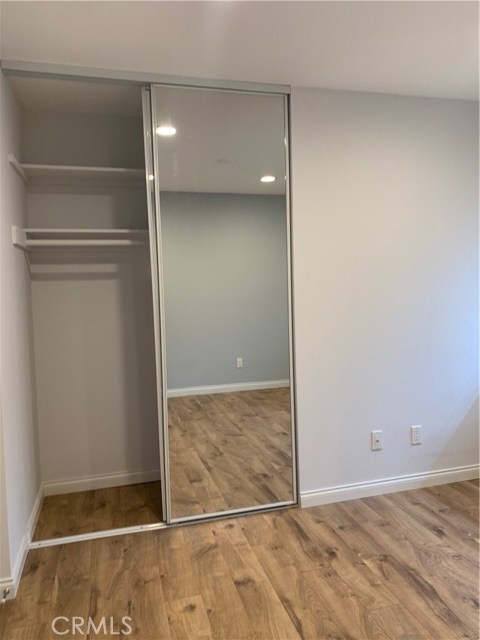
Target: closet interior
[(85, 240), (151, 244)]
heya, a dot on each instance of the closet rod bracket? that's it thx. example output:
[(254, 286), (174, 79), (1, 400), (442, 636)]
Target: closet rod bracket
[(19, 237), (12, 159)]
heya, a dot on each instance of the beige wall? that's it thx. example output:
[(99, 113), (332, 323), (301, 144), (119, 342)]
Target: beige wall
[(5, 564), (16, 369), (385, 237)]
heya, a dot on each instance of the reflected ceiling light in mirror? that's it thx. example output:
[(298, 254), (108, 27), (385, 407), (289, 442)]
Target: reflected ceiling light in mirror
[(267, 179), (166, 130)]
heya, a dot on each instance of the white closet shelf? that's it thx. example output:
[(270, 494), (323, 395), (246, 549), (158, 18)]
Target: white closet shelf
[(51, 172), (31, 238)]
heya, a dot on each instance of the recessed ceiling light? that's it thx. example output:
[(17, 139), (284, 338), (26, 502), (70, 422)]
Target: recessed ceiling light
[(267, 179), (166, 130)]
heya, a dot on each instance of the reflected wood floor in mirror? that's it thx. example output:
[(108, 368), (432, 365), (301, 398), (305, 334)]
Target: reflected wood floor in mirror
[(229, 451), (86, 511)]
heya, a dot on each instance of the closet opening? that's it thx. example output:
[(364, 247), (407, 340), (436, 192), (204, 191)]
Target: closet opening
[(87, 245)]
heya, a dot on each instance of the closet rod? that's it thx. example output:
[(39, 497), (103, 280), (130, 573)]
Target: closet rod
[(30, 238), (82, 243), (86, 232)]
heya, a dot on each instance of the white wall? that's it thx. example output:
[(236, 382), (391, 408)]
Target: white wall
[(16, 366), (95, 365), (83, 139), (225, 271), (92, 312), (5, 564), (385, 237)]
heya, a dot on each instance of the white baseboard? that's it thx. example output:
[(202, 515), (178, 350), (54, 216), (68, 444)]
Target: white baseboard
[(11, 582), (7, 585), (227, 388), (103, 481), (37, 506), (387, 485)]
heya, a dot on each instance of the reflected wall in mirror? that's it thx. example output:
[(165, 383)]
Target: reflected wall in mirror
[(221, 171)]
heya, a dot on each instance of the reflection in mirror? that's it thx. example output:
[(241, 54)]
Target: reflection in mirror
[(222, 176)]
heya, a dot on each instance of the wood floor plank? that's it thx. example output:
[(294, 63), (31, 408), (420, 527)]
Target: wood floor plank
[(111, 595), (177, 572), (216, 585), (86, 511), (386, 568), (400, 523), (147, 608), (71, 592), (456, 499), (400, 535), (420, 598), (342, 519), (304, 594), (466, 526), (32, 606), (31, 632), (66, 515), (242, 563), (188, 618), (395, 623), (301, 548), (445, 574), (461, 535), (348, 565), (265, 611)]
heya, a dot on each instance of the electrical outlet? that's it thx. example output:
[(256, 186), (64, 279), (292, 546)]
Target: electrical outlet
[(416, 434), (239, 363), (376, 438)]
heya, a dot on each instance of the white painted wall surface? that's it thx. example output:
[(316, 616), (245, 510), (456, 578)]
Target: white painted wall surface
[(83, 139), (385, 237), (16, 367), (5, 564), (92, 312), (95, 364)]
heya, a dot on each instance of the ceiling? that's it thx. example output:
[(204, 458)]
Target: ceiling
[(412, 48)]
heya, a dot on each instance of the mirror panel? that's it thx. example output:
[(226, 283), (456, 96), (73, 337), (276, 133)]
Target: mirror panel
[(224, 246)]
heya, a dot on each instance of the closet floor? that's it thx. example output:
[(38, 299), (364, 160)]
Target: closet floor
[(86, 511)]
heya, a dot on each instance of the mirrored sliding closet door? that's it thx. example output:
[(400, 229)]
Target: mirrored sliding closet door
[(221, 180)]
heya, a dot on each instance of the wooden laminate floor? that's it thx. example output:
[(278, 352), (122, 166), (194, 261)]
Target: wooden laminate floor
[(86, 511), (229, 451), (397, 567)]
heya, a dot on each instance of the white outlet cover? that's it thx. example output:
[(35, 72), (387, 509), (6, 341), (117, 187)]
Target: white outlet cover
[(416, 434), (376, 440)]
